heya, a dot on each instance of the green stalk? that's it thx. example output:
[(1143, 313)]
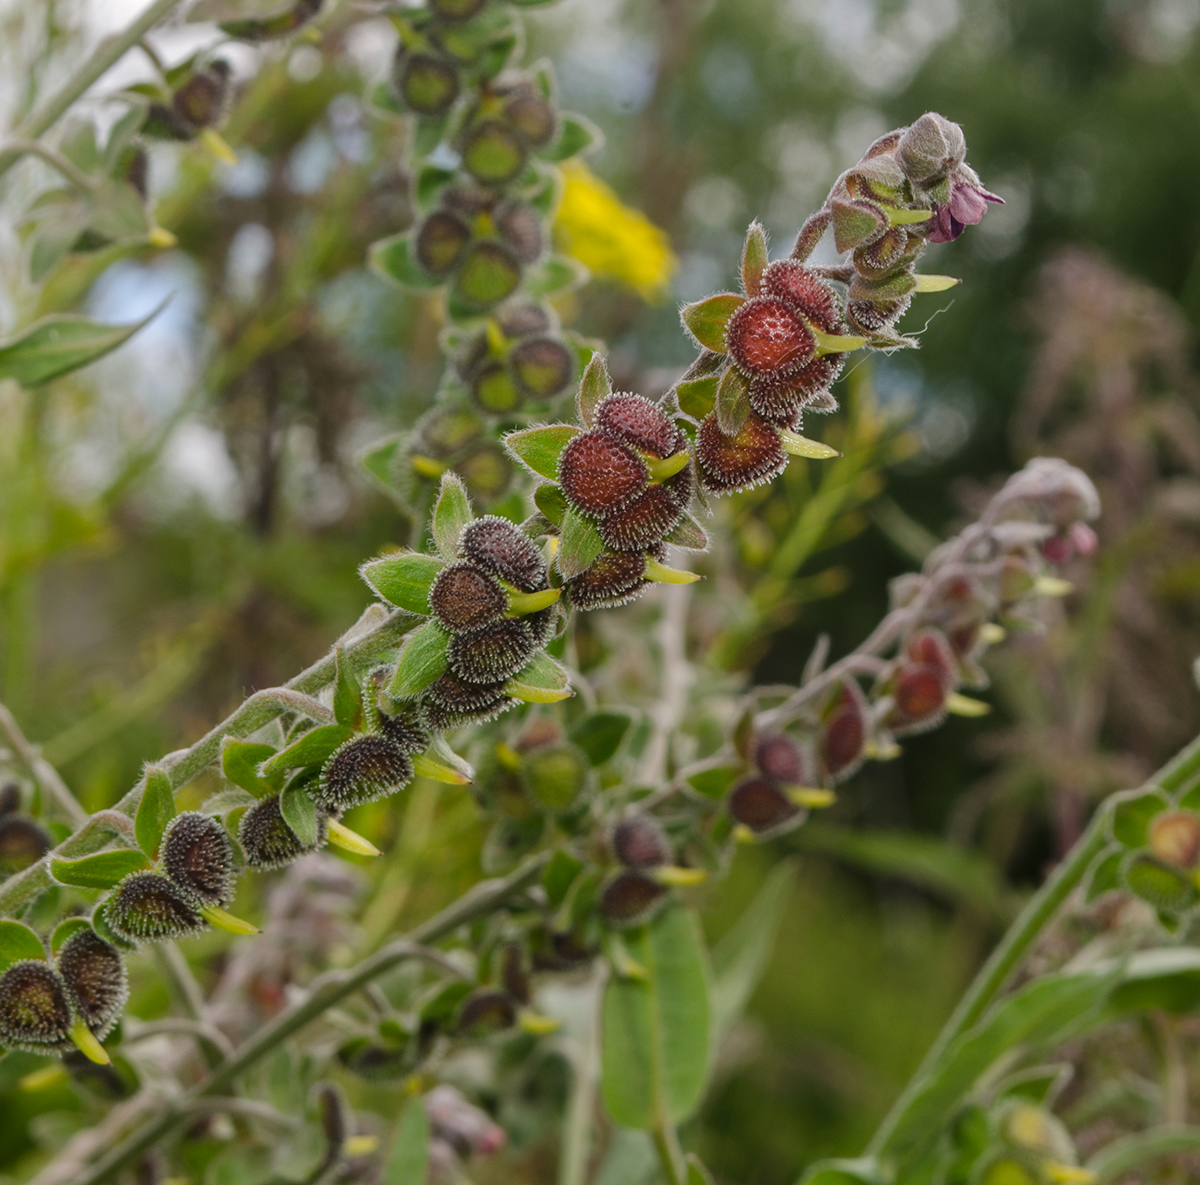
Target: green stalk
[(670, 1155)]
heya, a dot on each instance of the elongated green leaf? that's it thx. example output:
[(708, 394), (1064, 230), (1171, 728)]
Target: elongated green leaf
[(594, 386), (1166, 979), (58, 344), (655, 1046), (697, 1174), (631, 1159), (715, 778), (862, 1171), (155, 811), (393, 258), (451, 513), (578, 135), (240, 761), (17, 942), (552, 502), (430, 182), (101, 871), (688, 534), (697, 397), (408, 1157), (599, 734), (404, 580), (422, 661), (706, 319), (540, 681), (347, 694), (1105, 873), (579, 544), (313, 748), (554, 275), (1132, 1152), (67, 929), (733, 401), (754, 258), (300, 813), (540, 449)]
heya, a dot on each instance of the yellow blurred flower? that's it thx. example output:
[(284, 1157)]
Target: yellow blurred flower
[(609, 238)]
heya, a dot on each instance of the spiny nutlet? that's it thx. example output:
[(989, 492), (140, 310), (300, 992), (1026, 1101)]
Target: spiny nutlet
[(541, 366), (427, 85), (463, 598), (35, 1010), (779, 403), (22, 843), (197, 856), (779, 757), (441, 240), (497, 546), (487, 1012), (492, 653), (521, 228), (931, 648), (614, 578), (97, 984), (749, 458), (767, 336), (920, 700), (630, 898), (364, 769), (599, 474), (643, 522), (639, 842), (635, 421), (490, 273), (1175, 837), (493, 153), (268, 841), (844, 736), (146, 907), (405, 733), (762, 806), (452, 701), (531, 115), (811, 296)]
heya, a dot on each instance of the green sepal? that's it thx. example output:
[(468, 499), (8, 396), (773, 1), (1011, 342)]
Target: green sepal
[(155, 811), (314, 747), (431, 180), (18, 942), (593, 387), (599, 735), (540, 681), (347, 692), (394, 259), (552, 502), (451, 513), (100, 871), (688, 534), (697, 397), (554, 275), (540, 449), (754, 258), (422, 661), (579, 544), (403, 580), (1132, 814), (558, 876), (65, 929), (706, 320), (577, 135), (240, 761), (300, 813), (733, 401)]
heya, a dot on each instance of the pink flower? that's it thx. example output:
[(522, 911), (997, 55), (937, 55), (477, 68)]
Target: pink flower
[(967, 206)]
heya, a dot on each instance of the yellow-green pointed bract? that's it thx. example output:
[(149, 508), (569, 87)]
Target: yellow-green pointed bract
[(223, 920), (350, 841), (661, 574), (85, 1041)]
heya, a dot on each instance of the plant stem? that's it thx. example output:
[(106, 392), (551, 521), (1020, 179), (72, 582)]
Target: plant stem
[(326, 991), (1025, 931), (40, 769), (77, 177), (670, 1155)]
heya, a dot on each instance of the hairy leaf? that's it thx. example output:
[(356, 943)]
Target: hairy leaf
[(101, 871), (155, 811)]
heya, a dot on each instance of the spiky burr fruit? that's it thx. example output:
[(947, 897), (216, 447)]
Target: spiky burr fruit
[(197, 856), (631, 898), (268, 841), (97, 984), (147, 907), (363, 769), (639, 842), (762, 806)]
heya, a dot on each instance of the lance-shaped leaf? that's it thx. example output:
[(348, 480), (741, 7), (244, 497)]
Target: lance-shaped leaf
[(17, 942), (59, 344), (347, 693), (754, 258), (300, 813), (101, 871), (279, 24), (541, 448), (65, 929), (404, 580), (593, 387), (1133, 1152), (578, 135), (579, 544), (394, 259), (733, 401), (155, 811), (706, 319), (540, 681), (315, 747), (554, 275), (655, 1046), (422, 661), (697, 397), (599, 735), (688, 534), (240, 761), (451, 513), (1132, 815), (552, 502), (408, 1157)]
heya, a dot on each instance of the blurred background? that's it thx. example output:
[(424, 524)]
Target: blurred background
[(181, 523)]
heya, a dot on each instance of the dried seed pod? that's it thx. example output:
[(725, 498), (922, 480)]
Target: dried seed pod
[(521, 228), (726, 463), (146, 907), (613, 579), (767, 336), (920, 700), (22, 843), (639, 842), (426, 84), (203, 100), (599, 474), (35, 1010), (531, 115), (779, 757), (630, 899), (1161, 884), (762, 806), (844, 737), (555, 776), (541, 366), (486, 1012), (643, 522), (493, 153), (364, 769), (494, 390), (492, 653), (463, 598), (637, 422), (453, 701), (1175, 838), (441, 240), (405, 733), (97, 984), (197, 856), (495, 545), (490, 272), (801, 287), (268, 841)]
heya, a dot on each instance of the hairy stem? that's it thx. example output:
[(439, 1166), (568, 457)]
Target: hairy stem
[(670, 1155), (42, 772)]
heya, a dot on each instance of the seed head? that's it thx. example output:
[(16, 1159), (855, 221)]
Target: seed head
[(197, 856), (364, 769), (146, 907), (844, 736), (875, 316), (464, 598), (22, 843), (427, 85), (35, 1012), (268, 841), (496, 546), (766, 336), (1175, 838), (441, 241), (762, 806), (726, 463), (492, 653), (643, 522), (452, 701), (920, 700), (405, 733), (639, 842), (203, 100), (490, 272), (530, 114), (613, 579), (599, 474), (487, 1012), (779, 757), (541, 366), (805, 291), (635, 421), (493, 152), (521, 229), (630, 899), (94, 973), (1163, 885)]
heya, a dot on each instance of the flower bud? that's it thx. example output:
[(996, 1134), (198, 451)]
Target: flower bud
[(779, 757), (453, 701), (35, 1009), (463, 598), (844, 736), (492, 653), (22, 843), (639, 842), (520, 227), (364, 769), (726, 463), (599, 474), (643, 522), (146, 907), (493, 153), (268, 841), (1161, 884), (197, 856), (486, 1012), (441, 240), (1175, 838), (763, 807), (403, 732), (555, 776), (930, 148), (489, 273), (766, 336), (426, 84), (203, 100), (94, 974), (541, 366), (630, 899), (615, 578), (530, 115), (635, 421), (498, 547)]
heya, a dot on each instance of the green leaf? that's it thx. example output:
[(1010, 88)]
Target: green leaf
[(60, 343), (861, 1171), (67, 929), (540, 681), (655, 1042), (733, 401), (431, 180), (393, 258), (422, 661), (593, 387), (631, 1159), (1105, 874), (688, 534), (240, 761), (554, 275), (17, 942), (579, 544), (578, 135), (697, 397), (1131, 1152), (754, 258), (599, 735), (300, 813), (552, 502), (314, 747), (706, 319), (1132, 815), (408, 1156), (716, 778), (404, 580), (742, 955), (559, 875), (279, 24), (697, 1174), (347, 694), (540, 449), (101, 871), (451, 513), (155, 811), (1165, 979)]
